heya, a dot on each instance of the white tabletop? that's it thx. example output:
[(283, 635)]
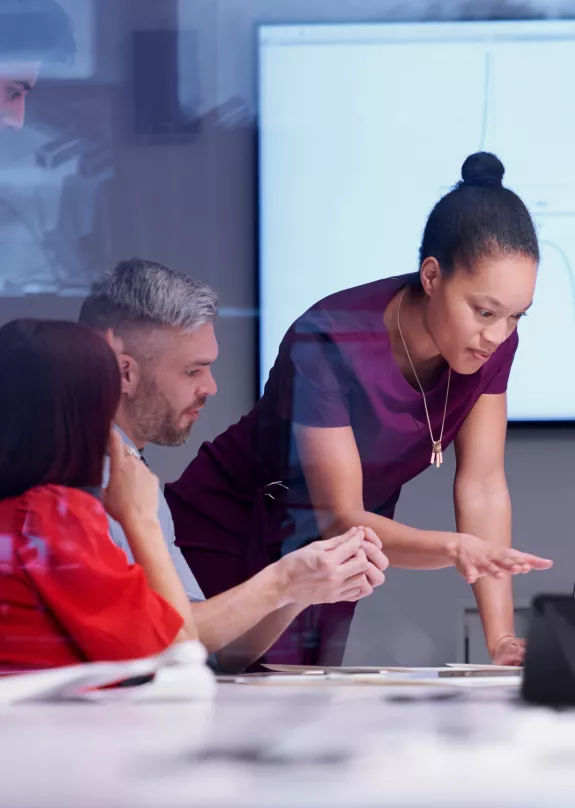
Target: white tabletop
[(284, 746)]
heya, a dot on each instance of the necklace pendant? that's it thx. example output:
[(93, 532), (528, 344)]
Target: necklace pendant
[(436, 454)]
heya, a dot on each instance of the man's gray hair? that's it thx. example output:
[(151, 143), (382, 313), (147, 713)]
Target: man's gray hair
[(144, 293)]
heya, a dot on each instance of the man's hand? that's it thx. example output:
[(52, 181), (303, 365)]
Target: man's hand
[(474, 558), (508, 650), (347, 567), (378, 560)]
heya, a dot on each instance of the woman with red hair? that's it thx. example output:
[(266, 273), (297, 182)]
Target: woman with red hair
[(67, 593)]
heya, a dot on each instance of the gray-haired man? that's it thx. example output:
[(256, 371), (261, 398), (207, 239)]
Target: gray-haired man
[(161, 327)]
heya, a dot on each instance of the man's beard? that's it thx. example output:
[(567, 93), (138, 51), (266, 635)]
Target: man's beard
[(153, 418)]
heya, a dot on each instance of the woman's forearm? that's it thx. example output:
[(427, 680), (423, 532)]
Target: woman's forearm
[(495, 604), (405, 546), (149, 549), (484, 509), (334, 476)]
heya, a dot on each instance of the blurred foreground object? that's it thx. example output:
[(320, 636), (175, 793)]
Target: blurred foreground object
[(178, 674)]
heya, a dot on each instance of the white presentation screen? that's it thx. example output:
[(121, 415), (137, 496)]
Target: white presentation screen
[(364, 127)]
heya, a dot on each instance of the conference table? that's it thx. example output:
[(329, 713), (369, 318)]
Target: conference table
[(290, 742)]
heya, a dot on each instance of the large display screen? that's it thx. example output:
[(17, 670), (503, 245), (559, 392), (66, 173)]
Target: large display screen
[(364, 127)]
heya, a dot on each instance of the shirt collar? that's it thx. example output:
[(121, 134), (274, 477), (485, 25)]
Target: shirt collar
[(130, 443), (126, 439)]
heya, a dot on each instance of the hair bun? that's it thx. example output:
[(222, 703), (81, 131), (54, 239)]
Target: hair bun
[(482, 169)]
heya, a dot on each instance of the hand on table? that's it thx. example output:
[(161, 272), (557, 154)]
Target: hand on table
[(508, 650), (345, 568), (475, 558)]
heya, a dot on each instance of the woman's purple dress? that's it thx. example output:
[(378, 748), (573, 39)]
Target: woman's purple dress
[(243, 501)]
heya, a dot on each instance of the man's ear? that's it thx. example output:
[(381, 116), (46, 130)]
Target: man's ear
[(129, 367), (130, 374)]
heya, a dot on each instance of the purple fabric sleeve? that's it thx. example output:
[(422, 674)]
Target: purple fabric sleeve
[(313, 388)]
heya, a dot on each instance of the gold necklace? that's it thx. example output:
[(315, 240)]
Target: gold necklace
[(436, 451)]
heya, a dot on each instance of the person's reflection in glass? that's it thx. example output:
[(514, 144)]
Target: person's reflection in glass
[(31, 32), (37, 37)]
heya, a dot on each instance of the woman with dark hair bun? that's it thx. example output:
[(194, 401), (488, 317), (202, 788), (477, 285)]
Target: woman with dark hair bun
[(370, 386), (67, 593)]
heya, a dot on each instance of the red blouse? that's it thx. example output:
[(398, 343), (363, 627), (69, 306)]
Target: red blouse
[(67, 593)]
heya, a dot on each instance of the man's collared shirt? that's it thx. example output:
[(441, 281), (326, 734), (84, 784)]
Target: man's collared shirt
[(191, 586)]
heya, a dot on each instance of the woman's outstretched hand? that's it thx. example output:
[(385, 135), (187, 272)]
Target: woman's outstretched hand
[(475, 558)]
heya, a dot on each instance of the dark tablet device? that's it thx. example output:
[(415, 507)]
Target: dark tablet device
[(549, 667)]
